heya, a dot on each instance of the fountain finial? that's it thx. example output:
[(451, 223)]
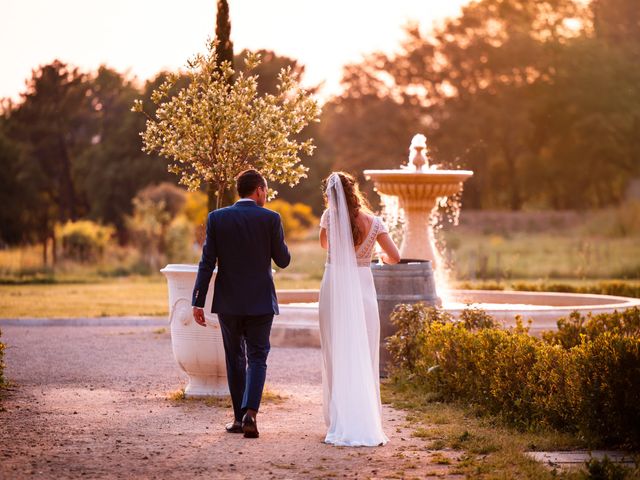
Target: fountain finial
[(418, 152)]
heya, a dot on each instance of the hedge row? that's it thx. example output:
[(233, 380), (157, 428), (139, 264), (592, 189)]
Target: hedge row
[(585, 378), (610, 287)]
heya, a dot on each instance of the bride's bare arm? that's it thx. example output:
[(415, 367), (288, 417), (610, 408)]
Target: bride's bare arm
[(323, 238), (390, 254)]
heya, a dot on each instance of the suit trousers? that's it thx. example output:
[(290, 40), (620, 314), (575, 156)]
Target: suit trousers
[(246, 341)]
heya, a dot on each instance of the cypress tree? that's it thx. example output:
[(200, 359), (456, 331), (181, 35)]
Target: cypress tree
[(224, 52)]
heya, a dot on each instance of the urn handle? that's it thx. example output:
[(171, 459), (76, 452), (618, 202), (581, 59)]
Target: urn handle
[(181, 309)]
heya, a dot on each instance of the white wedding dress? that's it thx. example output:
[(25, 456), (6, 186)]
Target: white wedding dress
[(349, 330)]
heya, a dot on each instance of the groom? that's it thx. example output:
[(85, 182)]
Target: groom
[(243, 239)]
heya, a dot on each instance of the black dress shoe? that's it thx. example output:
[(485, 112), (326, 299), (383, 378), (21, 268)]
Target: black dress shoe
[(234, 427), (249, 427)]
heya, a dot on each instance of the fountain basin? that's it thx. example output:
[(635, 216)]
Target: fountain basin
[(418, 193), (300, 307), (409, 184), (542, 308)]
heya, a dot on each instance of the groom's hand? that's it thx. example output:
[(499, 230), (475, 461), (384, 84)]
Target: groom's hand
[(198, 316)]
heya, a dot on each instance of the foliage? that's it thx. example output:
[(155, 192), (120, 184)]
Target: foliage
[(17, 225), (195, 210), (211, 130), (172, 198), (166, 223), (51, 127), (309, 190), (84, 240), (611, 287), (591, 389), (362, 131), (224, 46), (71, 150), (606, 469), (147, 227), (180, 240), (195, 207), (506, 89), (113, 169), (578, 328), (297, 219)]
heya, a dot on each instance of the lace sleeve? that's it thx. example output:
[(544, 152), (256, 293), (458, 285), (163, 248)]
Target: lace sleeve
[(324, 219)]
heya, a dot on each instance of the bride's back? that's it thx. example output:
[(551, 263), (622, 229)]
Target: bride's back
[(364, 222)]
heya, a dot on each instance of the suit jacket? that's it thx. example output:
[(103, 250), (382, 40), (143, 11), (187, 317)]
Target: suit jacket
[(242, 239)]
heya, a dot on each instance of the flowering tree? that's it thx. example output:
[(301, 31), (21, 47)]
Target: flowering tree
[(213, 128)]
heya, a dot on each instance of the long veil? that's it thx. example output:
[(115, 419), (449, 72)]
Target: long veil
[(354, 408)]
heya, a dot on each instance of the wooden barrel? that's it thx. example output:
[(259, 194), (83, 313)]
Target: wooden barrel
[(406, 282)]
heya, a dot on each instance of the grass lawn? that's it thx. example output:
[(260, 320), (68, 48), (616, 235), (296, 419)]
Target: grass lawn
[(542, 256), (118, 297)]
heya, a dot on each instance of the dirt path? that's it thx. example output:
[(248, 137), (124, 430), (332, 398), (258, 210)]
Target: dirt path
[(92, 402)]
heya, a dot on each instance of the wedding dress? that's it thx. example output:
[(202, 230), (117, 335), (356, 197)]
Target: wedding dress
[(349, 330)]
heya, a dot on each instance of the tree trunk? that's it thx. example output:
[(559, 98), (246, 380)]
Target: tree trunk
[(45, 258), (54, 250), (67, 190), (212, 199), (228, 197), (219, 196), (515, 196)]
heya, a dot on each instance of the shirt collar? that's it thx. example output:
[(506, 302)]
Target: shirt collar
[(246, 200)]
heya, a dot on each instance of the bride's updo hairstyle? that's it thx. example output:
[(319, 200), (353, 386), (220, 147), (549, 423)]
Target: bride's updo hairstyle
[(356, 201)]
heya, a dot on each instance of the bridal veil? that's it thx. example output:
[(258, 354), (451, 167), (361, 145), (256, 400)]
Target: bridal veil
[(351, 383)]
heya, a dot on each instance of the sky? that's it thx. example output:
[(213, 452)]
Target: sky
[(143, 37)]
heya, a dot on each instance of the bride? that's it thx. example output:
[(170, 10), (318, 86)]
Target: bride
[(349, 320)]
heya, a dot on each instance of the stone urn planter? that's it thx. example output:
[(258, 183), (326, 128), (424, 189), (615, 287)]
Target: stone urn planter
[(198, 350)]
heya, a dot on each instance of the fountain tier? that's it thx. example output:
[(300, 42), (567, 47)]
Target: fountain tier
[(418, 192)]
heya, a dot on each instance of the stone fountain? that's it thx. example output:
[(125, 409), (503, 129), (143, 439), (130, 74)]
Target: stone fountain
[(418, 188)]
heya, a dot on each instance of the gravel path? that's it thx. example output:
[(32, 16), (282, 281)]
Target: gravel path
[(93, 402)]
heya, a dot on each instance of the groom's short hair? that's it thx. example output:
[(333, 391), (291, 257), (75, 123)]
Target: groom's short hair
[(248, 181)]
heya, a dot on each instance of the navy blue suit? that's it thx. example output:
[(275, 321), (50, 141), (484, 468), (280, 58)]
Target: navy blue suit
[(242, 240)]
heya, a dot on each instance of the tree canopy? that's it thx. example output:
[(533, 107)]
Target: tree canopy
[(541, 98)]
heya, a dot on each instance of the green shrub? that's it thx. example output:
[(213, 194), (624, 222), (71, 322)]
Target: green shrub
[(592, 388), (572, 329), (613, 287), (84, 240), (609, 287), (147, 228), (297, 218), (605, 469), (179, 242), (172, 197), (604, 388)]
